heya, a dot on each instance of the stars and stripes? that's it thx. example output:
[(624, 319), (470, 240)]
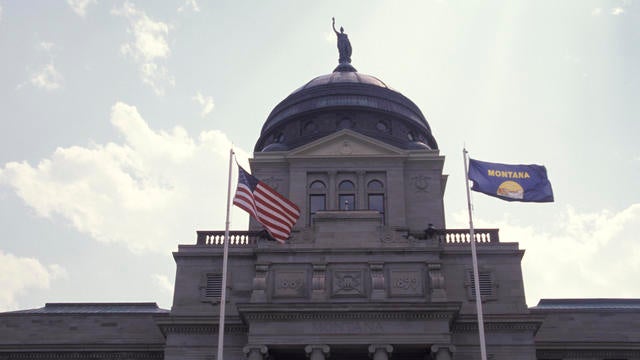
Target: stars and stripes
[(275, 212)]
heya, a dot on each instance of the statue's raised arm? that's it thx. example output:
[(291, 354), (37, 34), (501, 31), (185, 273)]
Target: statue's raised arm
[(344, 46)]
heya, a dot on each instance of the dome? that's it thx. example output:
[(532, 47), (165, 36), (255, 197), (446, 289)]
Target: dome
[(345, 99)]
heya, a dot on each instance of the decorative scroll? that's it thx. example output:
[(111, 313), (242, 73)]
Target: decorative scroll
[(436, 282), (318, 279), (260, 283)]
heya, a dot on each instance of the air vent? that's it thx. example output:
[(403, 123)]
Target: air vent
[(487, 285), (211, 287)]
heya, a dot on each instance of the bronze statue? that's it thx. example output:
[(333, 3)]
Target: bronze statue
[(344, 46)]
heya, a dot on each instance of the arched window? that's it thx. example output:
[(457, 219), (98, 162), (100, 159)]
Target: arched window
[(375, 196), (317, 197), (346, 195)]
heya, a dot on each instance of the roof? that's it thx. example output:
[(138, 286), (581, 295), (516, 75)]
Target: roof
[(296, 120), (95, 308), (588, 304)]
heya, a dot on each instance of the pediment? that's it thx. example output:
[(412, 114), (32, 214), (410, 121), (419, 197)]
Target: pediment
[(346, 143)]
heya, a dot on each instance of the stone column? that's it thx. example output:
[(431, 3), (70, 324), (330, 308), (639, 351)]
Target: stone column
[(332, 192), (442, 351), (361, 195), (380, 351), (255, 352), (317, 352)]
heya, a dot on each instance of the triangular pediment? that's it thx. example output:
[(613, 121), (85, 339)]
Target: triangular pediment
[(346, 143)]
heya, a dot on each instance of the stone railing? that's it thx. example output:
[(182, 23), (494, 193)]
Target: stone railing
[(459, 236), (444, 236), (236, 238)]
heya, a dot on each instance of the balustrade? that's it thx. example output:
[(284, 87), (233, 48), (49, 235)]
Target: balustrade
[(445, 236)]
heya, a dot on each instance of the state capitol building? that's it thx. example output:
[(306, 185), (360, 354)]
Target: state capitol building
[(360, 278)]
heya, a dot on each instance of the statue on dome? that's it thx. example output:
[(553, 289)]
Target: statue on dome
[(344, 46)]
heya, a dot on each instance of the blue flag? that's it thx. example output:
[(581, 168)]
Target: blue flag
[(527, 183)]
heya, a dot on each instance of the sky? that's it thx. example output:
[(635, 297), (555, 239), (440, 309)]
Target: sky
[(116, 119)]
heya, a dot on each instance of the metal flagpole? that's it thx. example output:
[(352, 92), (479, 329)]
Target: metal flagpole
[(223, 293), (476, 277)]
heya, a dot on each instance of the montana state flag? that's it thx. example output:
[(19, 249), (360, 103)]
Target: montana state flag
[(527, 183)]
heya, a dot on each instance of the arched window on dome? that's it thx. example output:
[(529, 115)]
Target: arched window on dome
[(346, 195), (317, 197), (375, 196)]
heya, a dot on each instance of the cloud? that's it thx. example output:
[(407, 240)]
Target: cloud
[(596, 11), (80, 6), (18, 274), (149, 47), (48, 78), (189, 4), (148, 194), (329, 36), (586, 255), (617, 11), (46, 46), (163, 282), (206, 102)]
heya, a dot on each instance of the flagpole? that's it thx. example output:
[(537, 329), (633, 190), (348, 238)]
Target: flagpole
[(474, 257), (225, 256)]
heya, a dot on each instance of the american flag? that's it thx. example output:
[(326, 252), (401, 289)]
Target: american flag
[(275, 212)]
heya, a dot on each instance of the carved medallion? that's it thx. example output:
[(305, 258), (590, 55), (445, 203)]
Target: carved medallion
[(290, 284), (405, 283), (346, 148), (347, 283), (421, 183)]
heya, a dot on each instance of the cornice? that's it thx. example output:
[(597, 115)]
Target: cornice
[(98, 355), (202, 329), (587, 354), (587, 345), (522, 322), (348, 311), (199, 324), (348, 316)]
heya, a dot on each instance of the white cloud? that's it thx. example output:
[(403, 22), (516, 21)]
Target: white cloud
[(329, 36), (80, 6), (19, 274), (189, 4), (48, 78), (149, 193), (46, 46), (206, 102), (156, 76), (617, 11), (148, 48), (163, 282), (596, 11), (586, 255)]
